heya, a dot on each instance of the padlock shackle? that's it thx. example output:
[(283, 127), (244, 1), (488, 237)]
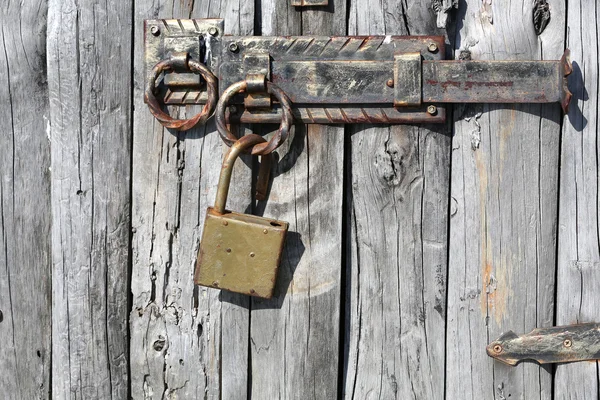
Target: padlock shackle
[(244, 143)]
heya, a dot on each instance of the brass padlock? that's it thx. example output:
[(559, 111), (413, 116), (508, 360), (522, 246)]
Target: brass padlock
[(240, 252)]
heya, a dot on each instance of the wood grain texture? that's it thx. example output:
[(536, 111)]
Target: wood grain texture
[(578, 236), (25, 217), (186, 341), (397, 214), (503, 210), (294, 336), (89, 79)]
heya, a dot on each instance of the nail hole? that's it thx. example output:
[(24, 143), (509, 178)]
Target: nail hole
[(1, 316), (79, 192), (159, 345), (199, 330), (274, 223), (180, 361), (39, 353)]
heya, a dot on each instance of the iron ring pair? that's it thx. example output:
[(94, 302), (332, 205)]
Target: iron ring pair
[(181, 61), (280, 136)]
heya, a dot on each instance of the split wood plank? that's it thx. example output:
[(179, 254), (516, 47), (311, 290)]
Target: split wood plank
[(398, 206), (25, 209), (89, 79), (578, 237), (186, 341), (294, 336), (503, 210)]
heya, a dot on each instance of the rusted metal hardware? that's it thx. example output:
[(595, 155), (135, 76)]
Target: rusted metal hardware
[(549, 345), (254, 84), (355, 79), (307, 3), (240, 252), (181, 62)]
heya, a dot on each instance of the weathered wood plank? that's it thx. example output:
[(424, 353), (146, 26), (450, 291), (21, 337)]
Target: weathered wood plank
[(294, 336), (89, 79), (186, 341), (398, 202), (578, 237), (25, 264), (503, 210)]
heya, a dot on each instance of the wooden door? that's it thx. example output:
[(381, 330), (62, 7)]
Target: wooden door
[(411, 247)]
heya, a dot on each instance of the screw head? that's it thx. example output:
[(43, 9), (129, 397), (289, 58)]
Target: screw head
[(233, 47), (212, 31), (432, 47), (265, 231), (431, 110), (155, 30), (567, 343), (497, 348), (390, 83)]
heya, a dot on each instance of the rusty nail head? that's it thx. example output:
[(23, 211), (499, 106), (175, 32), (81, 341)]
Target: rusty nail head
[(390, 83), (228, 250), (155, 30), (432, 47), (213, 31), (432, 110), (216, 283), (567, 343), (497, 348), (233, 47), (252, 291), (252, 254), (225, 223)]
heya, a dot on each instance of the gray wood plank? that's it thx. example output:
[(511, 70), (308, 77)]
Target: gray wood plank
[(89, 79), (398, 202), (294, 336), (503, 210), (578, 237), (186, 341), (25, 217)]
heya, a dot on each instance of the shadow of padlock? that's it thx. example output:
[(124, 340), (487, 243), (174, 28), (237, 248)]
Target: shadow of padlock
[(240, 252)]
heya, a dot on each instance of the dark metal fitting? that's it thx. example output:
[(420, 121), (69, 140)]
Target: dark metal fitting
[(256, 83), (179, 60)]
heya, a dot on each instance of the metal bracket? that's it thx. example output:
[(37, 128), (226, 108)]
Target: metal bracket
[(355, 79), (549, 345), (307, 3)]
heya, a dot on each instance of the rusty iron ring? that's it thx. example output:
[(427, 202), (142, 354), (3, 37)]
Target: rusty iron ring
[(156, 107), (287, 118)]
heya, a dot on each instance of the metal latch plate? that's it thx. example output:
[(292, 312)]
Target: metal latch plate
[(166, 36), (332, 79)]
